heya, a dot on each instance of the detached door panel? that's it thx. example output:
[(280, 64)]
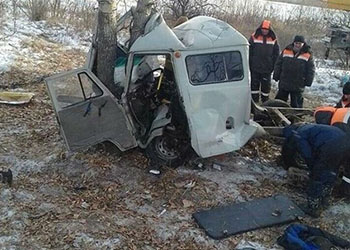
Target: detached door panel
[(87, 112)]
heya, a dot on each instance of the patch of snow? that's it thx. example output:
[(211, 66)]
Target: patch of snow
[(12, 36), (6, 213), (52, 191), (14, 130), (328, 85), (83, 240), (23, 196), (244, 244), (5, 195), (340, 214), (5, 241), (236, 171), (19, 166)]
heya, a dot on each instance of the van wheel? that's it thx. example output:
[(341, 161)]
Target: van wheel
[(168, 151)]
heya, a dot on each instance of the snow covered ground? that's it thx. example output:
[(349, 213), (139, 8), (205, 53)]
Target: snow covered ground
[(328, 82), (14, 36)]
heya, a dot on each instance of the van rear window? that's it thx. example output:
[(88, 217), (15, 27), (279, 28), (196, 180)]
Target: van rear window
[(214, 68)]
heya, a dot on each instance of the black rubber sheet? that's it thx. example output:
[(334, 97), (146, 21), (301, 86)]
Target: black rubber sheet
[(237, 218)]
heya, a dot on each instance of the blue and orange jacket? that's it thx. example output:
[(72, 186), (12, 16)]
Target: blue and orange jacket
[(311, 137), (263, 50), (294, 70)]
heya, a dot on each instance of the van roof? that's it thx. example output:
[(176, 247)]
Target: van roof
[(198, 33)]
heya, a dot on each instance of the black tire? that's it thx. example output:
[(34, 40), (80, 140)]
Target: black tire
[(168, 151), (265, 118), (276, 103)]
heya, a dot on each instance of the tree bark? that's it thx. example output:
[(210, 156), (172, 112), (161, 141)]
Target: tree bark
[(141, 15), (106, 42)]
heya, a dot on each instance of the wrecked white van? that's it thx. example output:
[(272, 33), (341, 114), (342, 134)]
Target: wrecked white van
[(183, 88)]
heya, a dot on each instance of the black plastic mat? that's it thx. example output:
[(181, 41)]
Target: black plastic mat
[(237, 218)]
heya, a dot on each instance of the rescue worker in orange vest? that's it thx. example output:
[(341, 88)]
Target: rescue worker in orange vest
[(294, 69), (345, 100), (339, 117), (263, 53)]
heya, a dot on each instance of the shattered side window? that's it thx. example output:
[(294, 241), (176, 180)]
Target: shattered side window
[(89, 88), (71, 89), (214, 68)]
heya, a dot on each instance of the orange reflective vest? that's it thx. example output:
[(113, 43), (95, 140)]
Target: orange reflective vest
[(303, 56), (331, 115)]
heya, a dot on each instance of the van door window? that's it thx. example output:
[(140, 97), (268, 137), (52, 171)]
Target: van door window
[(88, 87), (72, 89), (214, 68)]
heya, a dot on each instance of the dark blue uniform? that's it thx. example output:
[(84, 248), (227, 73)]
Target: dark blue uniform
[(324, 148)]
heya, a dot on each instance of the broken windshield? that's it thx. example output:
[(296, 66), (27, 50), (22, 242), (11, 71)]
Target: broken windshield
[(214, 68)]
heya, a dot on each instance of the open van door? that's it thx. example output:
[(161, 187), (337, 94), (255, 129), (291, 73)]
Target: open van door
[(87, 112)]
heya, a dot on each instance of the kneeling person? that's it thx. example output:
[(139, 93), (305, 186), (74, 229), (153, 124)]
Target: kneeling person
[(324, 148)]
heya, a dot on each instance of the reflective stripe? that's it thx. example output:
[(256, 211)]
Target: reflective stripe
[(346, 117), (255, 92), (264, 94), (258, 41), (346, 179), (288, 53), (305, 56), (329, 109), (341, 115)]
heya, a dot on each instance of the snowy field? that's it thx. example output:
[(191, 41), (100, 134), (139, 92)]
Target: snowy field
[(13, 36)]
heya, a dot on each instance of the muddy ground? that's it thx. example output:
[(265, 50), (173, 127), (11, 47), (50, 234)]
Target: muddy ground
[(100, 198)]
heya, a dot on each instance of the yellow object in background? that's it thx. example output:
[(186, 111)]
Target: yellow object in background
[(15, 98), (339, 4)]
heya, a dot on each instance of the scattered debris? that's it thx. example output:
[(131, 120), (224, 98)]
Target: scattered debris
[(85, 205), (249, 245), (217, 167), (7, 177), (154, 171), (191, 184), (15, 98), (161, 213)]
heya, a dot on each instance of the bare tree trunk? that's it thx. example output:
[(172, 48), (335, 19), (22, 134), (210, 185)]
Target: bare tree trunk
[(106, 42), (140, 17)]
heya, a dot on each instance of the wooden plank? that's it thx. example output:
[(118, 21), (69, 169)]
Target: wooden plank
[(307, 111), (275, 131), (280, 115)]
